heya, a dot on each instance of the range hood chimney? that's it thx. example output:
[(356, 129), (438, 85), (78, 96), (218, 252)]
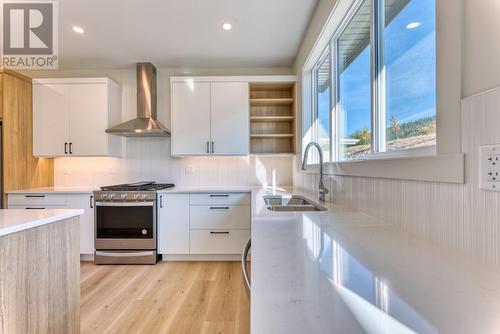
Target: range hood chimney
[(145, 125)]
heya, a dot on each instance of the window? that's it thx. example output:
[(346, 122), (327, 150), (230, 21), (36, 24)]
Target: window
[(322, 88), (354, 87), (382, 94), (410, 73)]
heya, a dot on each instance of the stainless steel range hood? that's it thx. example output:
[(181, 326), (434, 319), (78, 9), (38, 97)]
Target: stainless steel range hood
[(145, 125)]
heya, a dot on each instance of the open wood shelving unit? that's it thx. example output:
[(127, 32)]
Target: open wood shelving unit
[(272, 118)]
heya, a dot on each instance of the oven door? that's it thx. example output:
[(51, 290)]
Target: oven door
[(125, 225)]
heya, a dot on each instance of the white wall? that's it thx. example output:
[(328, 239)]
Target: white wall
[(481, 46), (149, 158)]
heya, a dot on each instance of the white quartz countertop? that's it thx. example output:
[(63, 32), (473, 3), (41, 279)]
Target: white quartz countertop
[(186, 190), (16, 220), (61, 190), (341, 271)]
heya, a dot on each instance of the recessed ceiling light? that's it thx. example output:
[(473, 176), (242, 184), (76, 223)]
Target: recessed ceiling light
[(78, 30), (227, 26), (413, 25)]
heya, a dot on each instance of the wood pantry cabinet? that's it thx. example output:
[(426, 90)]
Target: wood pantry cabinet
[(70, 117), (20, 169)]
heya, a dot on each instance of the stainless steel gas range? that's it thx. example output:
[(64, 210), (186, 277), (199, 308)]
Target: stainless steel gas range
[(125, 223)]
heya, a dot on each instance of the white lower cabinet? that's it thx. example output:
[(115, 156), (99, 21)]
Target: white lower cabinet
[(173, 224), (218, 241), (41, 201), (85, 202), (204, 217), (203, 224)]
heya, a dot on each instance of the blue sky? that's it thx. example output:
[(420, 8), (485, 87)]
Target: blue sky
[(410, 72)]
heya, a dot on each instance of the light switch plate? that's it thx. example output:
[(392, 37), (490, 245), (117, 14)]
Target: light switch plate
[(489, 167)]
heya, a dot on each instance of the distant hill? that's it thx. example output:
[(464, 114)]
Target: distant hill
[(419, 133)]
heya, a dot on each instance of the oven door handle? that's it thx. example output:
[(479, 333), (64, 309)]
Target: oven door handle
[(123, 254), (124, 203)]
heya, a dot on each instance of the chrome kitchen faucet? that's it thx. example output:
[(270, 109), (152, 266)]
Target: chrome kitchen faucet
[(322, 189)]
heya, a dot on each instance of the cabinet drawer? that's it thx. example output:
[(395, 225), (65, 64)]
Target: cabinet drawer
[(36, 207), (219, 217), (218, 241), (219, 198), (37, 199)]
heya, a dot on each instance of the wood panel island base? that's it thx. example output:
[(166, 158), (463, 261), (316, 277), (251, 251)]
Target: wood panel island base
[(39, 271)]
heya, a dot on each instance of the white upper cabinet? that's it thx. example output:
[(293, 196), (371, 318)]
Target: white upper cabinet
[(209, 118), (50, 119), (70, 117), (229, 118), (190, 118)]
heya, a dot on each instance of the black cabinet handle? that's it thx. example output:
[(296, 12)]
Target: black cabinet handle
[(219, 232), (219, 195), (208, 147), (35, 208), (65, 148), (91, 201), (34, 196), (219, 208), (161, 201), (70, 148), (213, 147)]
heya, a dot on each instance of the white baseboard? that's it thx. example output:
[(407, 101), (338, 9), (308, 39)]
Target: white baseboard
[(201, 257), (87, 257)]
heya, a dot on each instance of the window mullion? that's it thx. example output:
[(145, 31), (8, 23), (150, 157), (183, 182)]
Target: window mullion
[(334, 154), (381, 108), (378, 77)]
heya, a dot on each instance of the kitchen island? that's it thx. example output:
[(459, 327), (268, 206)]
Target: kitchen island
[(39, 271)]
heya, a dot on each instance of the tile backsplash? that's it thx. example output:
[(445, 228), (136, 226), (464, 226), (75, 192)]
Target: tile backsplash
[(460, 216), (149, 159)]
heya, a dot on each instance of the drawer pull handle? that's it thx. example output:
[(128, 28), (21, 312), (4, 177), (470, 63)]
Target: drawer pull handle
[(219, 208), (219, 232), (35, 196), (219, 195), (35, 208)]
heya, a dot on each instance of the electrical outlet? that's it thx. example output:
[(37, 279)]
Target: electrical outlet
[(189, 170), (110, 171), (489, 167), (66, 170)]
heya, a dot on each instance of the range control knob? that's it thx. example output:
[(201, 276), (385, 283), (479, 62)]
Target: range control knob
[(144, 195), (144, 232), (123, 196), (104, 195), (112, 195), (137, 196)]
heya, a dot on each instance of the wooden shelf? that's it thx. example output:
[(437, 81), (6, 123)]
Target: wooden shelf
[(272, 135), (271, 102), (272, 118)]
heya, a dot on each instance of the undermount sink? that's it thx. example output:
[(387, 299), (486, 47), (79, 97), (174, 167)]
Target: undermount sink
[(293, 203)]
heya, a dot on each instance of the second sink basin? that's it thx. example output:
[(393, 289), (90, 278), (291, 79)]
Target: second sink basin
[(293, 203)]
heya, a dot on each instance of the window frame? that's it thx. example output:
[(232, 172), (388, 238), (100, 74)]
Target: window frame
[(377, 90), (327, 52)]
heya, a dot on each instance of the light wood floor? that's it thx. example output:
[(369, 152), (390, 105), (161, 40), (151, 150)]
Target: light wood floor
[(170, 297)]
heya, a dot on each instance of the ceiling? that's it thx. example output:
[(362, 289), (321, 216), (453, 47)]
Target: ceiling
[(181, 33)]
